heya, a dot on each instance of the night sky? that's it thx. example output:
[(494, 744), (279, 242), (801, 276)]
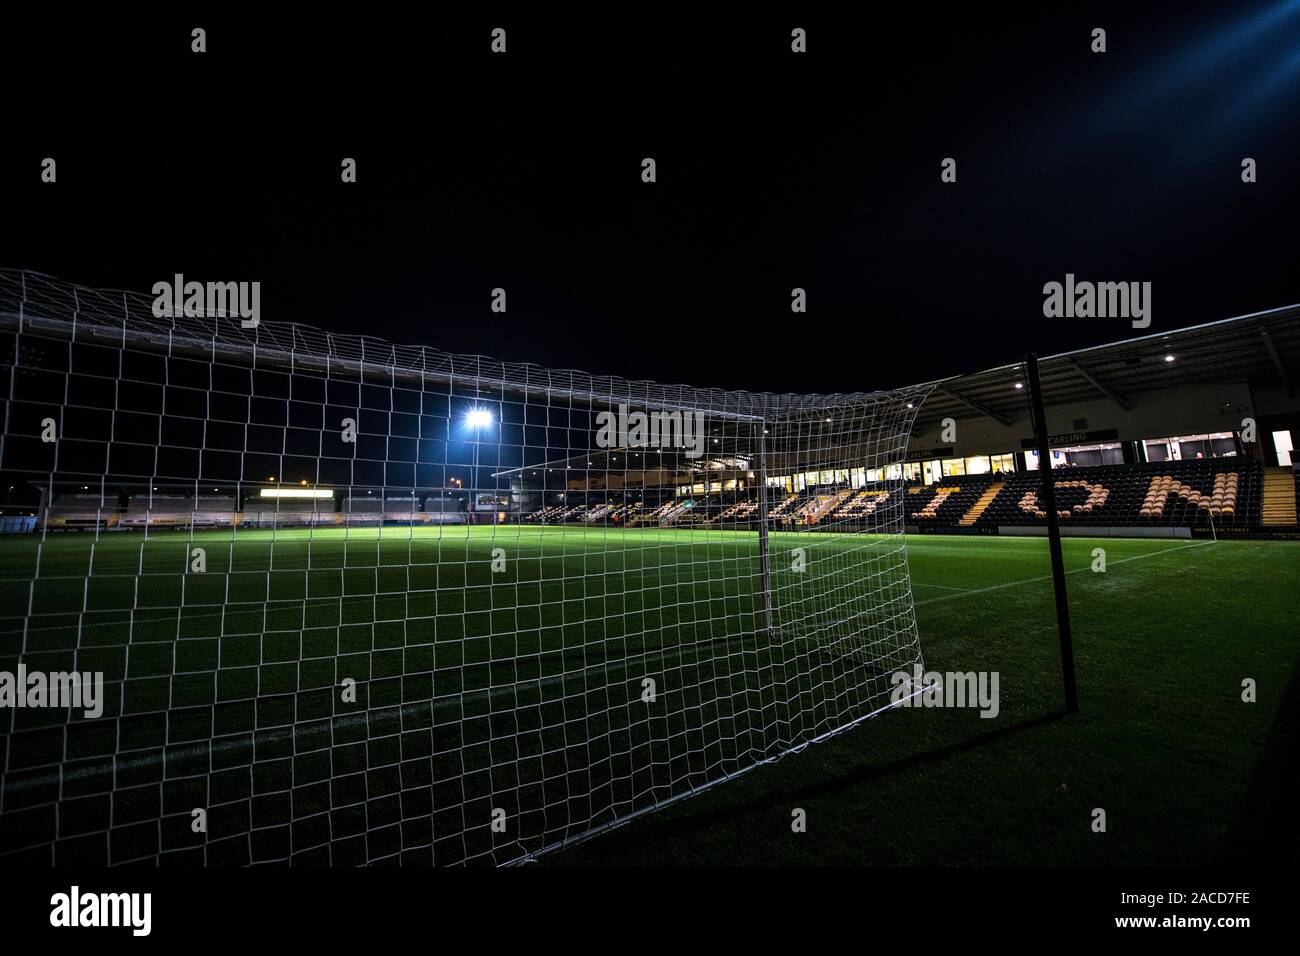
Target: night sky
[(775, 170)]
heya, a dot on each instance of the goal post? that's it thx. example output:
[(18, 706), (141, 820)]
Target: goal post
[(354, 602), (1048, 491)]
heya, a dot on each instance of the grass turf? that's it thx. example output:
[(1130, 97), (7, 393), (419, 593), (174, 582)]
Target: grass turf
[(1186, 772)]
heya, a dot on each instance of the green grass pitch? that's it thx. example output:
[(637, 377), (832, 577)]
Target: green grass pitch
[(1186, 772)]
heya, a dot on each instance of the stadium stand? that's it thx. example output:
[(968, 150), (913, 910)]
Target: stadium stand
[(1171, 493), (623, 513), (1098, 494), (601, 512), (547, 515), (744, 510), (820, 505), (91, 510), (1160, 493), (287, 512), (861, 504), (1232, 491), (372, 509), (445, 509), (680, 512), (560, 514), (945, 503), (658, 514), (783, 508), (178, 511)]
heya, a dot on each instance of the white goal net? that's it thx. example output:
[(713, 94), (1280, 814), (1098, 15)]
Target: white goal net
[(274, 595)]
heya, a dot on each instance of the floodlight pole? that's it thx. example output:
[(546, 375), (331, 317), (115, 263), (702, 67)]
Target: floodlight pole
[(763, 562), (1048, 497)]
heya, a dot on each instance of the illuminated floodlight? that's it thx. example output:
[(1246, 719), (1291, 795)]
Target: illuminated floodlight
[(296, 493), (478, 418)]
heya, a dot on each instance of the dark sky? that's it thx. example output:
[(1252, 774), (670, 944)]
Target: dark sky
[(774, 171)]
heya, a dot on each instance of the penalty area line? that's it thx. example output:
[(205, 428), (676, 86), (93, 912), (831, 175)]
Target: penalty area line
[(1048, 577)]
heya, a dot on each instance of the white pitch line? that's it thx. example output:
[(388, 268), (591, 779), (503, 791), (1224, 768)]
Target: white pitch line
[(1048, 577), (119, 762), (123, 761)]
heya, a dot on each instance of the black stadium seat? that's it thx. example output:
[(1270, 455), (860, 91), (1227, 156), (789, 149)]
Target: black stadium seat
[(1226, 490)]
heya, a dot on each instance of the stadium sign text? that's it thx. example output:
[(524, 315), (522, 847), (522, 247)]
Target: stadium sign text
[(1098, 300), (38, 689), (1074, 438), (653, 430), (195, 299)]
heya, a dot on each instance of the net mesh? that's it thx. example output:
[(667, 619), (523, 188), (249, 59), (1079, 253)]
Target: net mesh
[(353, 602)]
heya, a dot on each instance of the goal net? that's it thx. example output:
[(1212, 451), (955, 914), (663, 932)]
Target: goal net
[(276, 595)]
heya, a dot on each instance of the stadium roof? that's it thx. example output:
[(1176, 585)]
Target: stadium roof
[(1263, 347), (1260, 347), (597, 461)]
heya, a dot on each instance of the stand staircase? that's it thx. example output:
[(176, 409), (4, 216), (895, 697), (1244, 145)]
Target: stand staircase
[(829, 505), (977, 509), (1279, 498)]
